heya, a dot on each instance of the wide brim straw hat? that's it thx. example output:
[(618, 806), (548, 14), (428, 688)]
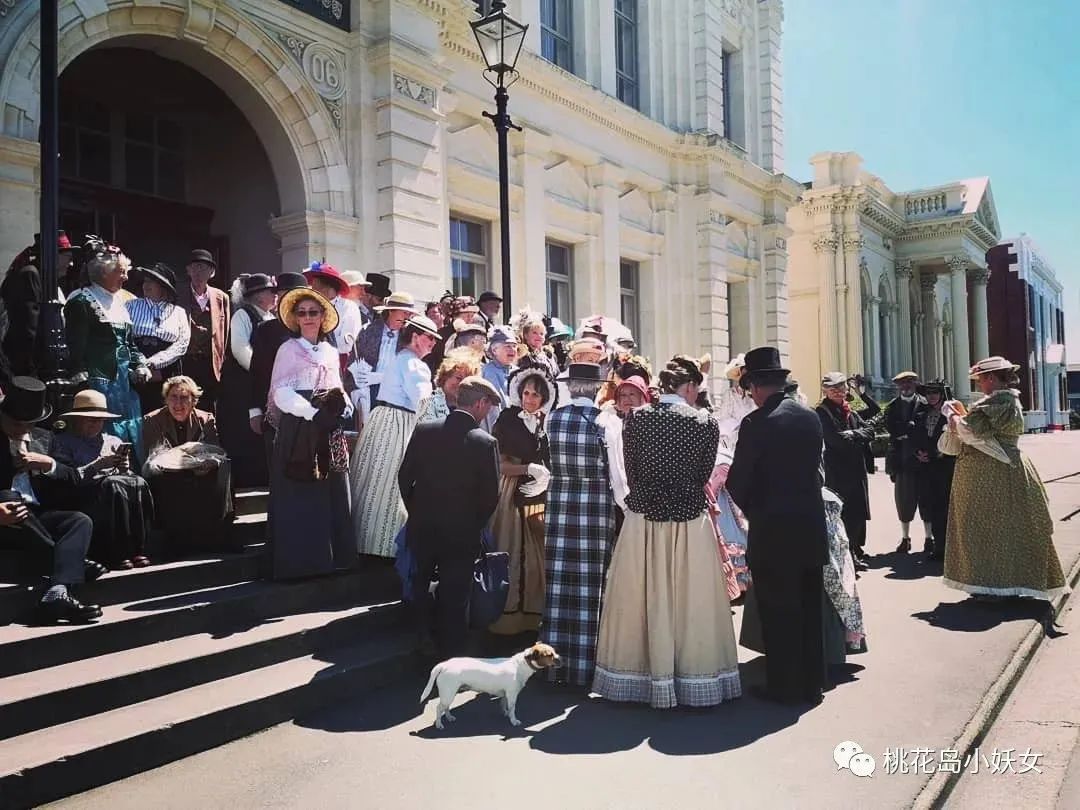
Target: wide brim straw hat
[(425, 325), (991, 364), (91, 404), (399, 300), (288, 317)]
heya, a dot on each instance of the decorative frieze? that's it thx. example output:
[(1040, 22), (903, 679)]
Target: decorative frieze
[(411, 89)]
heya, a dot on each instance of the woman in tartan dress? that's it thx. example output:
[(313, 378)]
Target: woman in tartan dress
[(580, 525)]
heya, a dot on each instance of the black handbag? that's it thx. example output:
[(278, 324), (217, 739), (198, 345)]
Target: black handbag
[(490, 587)]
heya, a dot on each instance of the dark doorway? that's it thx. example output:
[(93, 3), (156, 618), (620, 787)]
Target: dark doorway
[(157, 159)]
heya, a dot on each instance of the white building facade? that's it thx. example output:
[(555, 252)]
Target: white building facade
[(884, 281), (646, 183)]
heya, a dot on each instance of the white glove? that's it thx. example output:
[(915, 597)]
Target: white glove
[(360, 369), (541, 478)]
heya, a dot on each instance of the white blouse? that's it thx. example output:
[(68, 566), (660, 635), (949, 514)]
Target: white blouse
[(302, 366), (240, 332), (407, 381), (613, 438)]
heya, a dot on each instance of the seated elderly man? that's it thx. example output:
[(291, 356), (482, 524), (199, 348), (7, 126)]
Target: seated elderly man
[(188, 472), (51, 540), (117, 500)]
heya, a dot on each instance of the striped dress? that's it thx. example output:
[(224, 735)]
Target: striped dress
[(580, 527)]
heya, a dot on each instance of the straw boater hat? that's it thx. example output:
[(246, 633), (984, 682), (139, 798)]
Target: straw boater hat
[(905, 375), (586, 350), (399, 300), (90, 404), (288, 301), (991, 364), (424, 324)]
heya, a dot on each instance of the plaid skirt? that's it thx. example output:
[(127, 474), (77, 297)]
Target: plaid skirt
[(580, 528)]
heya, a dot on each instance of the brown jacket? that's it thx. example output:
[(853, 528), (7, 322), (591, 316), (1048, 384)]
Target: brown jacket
[(219, 321), (159, 428)]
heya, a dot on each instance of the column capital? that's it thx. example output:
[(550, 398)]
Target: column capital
[(979, 275), (904, 269), (853, 241), (928, 282), (957, 264), (826, 241)]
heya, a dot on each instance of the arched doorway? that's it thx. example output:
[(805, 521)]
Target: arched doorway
[(167, 165)]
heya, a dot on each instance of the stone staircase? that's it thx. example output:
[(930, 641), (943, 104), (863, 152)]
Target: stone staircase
[(187, 656)]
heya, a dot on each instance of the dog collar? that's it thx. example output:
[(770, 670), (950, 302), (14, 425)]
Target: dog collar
[(532, 666)]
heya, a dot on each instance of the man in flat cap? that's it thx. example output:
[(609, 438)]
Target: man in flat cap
[(449, 506), (900, 462)]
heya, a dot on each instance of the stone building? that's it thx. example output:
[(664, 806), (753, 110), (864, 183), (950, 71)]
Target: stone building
[(883, 281), (647, 180), (1027, 325)]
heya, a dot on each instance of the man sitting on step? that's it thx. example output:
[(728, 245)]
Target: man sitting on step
[(53, 540)]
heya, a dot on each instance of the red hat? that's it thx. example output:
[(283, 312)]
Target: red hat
[(62, 241), (328, 273), (637, 384)]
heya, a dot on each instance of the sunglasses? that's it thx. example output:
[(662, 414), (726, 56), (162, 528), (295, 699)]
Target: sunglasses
[(307, 313)]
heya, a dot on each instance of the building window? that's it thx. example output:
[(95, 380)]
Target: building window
[(86, 141), (628, 297), (734, 121), (560, 283), (626, 52), (153, 156), (556, 34), (468, 257)]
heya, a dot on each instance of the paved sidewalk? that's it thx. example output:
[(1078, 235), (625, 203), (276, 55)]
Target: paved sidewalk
[(933, 656)]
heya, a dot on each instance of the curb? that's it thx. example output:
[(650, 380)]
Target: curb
[(942, 783)]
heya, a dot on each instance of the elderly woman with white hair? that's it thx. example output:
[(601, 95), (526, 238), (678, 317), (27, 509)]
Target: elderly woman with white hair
[(101, 345)]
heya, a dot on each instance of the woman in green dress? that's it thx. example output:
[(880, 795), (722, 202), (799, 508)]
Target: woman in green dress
[(1000, 533)]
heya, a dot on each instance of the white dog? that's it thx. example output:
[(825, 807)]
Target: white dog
[(502, 677)]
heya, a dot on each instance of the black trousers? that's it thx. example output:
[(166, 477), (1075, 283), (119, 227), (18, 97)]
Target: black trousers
[(936, 484), (789, 603), (201, 369), (855, 527), (451, 608), (54, 542)]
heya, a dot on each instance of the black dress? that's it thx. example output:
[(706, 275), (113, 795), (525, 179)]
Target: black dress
[(244, 446), (846, 438), (935, 476)]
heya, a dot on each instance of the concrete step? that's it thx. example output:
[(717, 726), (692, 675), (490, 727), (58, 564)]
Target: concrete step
[(250, 501), (160, 579), (216, 609), (49, 764), (40, 698)]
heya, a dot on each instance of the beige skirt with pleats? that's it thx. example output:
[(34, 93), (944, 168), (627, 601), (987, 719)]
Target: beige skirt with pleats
[(666, 636)]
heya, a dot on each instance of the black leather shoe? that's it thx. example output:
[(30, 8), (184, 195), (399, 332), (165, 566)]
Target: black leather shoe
[(928, 546), (904, 547), (67, 608), (93, 570)]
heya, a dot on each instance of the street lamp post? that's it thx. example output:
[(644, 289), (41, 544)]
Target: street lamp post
[(500, 38)]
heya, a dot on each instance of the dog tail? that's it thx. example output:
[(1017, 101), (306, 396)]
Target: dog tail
[(435, 672)]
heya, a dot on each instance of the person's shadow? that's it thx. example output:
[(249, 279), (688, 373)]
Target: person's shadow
[(975, 616), (914, 565)]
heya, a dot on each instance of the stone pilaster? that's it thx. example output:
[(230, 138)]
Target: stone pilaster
[(928, 285), (849, 303), (312, 235), (903, 310), (825, 244), (979, 322), (771, 82), (712, 283), (774, 260), (961, 353)]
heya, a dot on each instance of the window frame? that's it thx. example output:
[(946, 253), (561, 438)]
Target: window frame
[(633, 293), (558, 278), (627, 84), (550, 34), (481, 259), (726, 76)]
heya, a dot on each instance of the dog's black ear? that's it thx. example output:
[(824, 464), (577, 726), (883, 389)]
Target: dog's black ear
[(530, 655)]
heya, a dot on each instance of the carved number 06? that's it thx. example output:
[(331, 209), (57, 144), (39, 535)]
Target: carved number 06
[(324, 71)]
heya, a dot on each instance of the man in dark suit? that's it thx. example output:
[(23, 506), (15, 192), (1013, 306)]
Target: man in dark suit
[(935, 468), (449, 482), (267, 338), (775, 479), (900, 462), (48, 539), (847, 439)]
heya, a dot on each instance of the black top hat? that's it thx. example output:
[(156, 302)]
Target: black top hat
[(488, 295), (760, 360), (380, 285), (202, 256), (256, 282), (162, 274), (587, 372), (290, 281), (25, 400)]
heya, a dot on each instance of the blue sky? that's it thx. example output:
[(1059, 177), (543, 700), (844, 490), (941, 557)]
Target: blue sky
[(930, 91)]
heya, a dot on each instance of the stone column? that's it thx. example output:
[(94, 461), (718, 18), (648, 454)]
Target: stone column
[(980, 325), (915, 336), (528, 227), (607, 182), (949, 362), (825, 248), (904, 272), (774, 261), (852, 354), (712, 287), (961, 354), (928, 284), (873, 362)]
